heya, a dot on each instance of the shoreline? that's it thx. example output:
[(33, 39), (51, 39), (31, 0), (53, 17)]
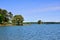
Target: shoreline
[(14, 25)]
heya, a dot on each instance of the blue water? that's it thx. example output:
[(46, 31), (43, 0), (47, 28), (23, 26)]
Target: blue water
[(31, 32)]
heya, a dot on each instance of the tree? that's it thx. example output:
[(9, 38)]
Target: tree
[(18, 20), (1, 16), (10, 15), (39, 22), (1, 19), (5, 15), (0, 11)]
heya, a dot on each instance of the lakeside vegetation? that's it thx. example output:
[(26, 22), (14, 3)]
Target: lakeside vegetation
[(7, 18)]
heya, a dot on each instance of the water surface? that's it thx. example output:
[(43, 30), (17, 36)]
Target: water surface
[(31, 32)]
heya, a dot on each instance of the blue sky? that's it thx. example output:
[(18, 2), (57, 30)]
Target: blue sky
[(33, 10)]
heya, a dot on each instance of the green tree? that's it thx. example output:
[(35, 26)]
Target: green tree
[(18, 20), (0, 11), (39, 22), (5, 15), (10, 15), (1, 18)]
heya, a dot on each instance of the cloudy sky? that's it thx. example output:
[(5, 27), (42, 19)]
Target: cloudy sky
[(33, 10)]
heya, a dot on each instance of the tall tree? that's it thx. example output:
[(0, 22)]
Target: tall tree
[(10, 14), (0, 11), (5, 15), (18, 20), (1, 18), (39, 22)]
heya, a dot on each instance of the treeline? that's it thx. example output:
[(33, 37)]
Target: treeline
[(30, 23), (7, 17), (38, 22), (41, 23)]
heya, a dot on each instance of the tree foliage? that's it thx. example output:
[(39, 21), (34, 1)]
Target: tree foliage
[(39, 22), (18, 20), (1, 18), (4, 15)]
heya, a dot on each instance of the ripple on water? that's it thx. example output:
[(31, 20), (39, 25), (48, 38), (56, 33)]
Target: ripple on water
[(31, 32)]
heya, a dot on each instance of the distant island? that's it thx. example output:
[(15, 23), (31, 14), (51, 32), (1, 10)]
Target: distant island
[(7, 19)]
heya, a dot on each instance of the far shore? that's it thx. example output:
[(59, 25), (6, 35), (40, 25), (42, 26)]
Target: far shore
[(13, 25), (28, 23)]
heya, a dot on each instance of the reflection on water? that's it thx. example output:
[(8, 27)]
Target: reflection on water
[(31, 32)]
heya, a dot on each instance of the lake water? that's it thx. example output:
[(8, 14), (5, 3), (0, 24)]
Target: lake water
[(31, 32)]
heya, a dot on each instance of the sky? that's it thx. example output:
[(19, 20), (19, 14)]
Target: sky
[(33, 10)]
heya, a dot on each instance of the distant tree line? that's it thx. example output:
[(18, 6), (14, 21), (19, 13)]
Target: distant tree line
[(7, 17)]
